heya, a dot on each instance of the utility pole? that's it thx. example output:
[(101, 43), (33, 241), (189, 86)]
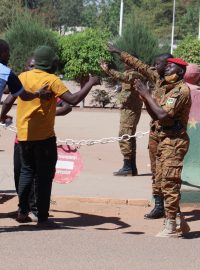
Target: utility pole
[(121, 17), (173, 26)]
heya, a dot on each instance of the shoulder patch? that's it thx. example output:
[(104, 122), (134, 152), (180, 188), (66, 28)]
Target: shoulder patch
[(170, 102)]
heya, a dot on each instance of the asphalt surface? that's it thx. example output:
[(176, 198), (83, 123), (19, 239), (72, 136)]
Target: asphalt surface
[(95, 236), (98, 218)]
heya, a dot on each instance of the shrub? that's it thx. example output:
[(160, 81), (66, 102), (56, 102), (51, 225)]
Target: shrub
[(25, 34), (80, 53), (101, 98), (189, 50)]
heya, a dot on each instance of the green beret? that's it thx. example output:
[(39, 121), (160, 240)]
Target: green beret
[(44, 57)]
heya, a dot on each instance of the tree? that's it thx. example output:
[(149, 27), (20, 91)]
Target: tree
[(136, 39), (189, 50), (189, 22), (8, 10), (109, 14), (104, 14), (57, 13), (80, 53), (24, 37), (31, 4), (89, 14), (64, 13)]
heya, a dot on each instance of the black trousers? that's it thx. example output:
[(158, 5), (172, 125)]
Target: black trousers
[(17, 171), (38, 160)]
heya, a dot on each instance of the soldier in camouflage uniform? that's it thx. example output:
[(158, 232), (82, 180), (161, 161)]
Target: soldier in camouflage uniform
[(130, 111), (158, 211), (170, 111)]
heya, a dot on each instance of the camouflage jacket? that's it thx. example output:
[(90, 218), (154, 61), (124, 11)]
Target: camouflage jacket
[(174, 98), (176, 101), (128, 97)]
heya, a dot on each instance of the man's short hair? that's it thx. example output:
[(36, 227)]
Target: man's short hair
[(164, 56), (3, 46)]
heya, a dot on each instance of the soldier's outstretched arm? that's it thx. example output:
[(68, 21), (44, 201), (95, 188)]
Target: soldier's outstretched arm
[(136, 63), (75, 98), (116, 75), (126, 77)]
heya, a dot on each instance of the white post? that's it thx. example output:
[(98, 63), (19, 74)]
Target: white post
[(121, 17), (173, 26)]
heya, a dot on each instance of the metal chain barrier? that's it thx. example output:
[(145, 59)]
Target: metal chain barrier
[(78, 143), (89, 142)]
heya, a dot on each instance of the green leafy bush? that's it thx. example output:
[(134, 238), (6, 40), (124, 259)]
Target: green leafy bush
[(25, 34), (189, 50), (80, 53)]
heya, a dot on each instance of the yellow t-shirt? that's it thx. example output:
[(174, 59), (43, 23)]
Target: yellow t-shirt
[(35, 118)]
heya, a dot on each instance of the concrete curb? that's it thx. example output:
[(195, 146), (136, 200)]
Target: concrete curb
[(115, 201), (109, 201)]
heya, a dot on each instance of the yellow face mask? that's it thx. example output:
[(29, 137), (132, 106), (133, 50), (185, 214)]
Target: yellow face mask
[(171, 78)]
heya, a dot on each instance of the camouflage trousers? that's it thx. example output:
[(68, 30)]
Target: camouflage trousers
[(128, 124), (169, 164), (153, 147)]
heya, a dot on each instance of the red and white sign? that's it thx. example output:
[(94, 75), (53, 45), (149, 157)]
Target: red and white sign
[(68, 165)]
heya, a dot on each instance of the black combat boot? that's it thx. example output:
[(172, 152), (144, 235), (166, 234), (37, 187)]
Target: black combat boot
[(158, 210), (126, 169), (134, 167)]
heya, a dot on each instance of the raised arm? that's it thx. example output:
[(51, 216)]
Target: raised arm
[(136, 63), (75, 98), (126, 77)]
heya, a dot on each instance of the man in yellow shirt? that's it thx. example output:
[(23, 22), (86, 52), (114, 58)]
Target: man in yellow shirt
[(35, 130)]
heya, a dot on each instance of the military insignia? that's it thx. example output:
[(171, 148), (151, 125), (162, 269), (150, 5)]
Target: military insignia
[(170, 103)]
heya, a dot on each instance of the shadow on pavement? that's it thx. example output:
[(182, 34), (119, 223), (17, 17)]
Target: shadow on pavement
[(5, 197), (144, 174), (8, 191), (31, 227), (134, 233), (84, 220), (192, 215), (12, 215), (192, 235)]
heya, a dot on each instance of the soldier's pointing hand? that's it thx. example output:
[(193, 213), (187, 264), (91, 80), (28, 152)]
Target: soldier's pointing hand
[(113, 49), (104, 66), (142, 89)]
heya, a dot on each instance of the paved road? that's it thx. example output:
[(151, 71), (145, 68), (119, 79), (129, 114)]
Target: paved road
[(90, 235), (96, 236), (99, 161)]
